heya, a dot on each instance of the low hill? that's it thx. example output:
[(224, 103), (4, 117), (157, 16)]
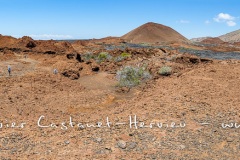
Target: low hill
[(153, 33), (7, 41), (199, 39), (39, 46), (214, 40), (231, 37)]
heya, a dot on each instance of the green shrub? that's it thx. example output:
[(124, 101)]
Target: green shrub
[(122, 57), (103, 56), (165, 71), (87, 56), (132, 76), (125, 55)]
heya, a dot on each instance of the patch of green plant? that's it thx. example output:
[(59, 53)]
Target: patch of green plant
[(165, 71), (103, 56), (132, 76), (88, 56), (124, 54), (122, 57)]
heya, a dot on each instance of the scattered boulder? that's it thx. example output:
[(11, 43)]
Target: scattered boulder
[(194, 60), (27, 42), (71, 56), (187, 58), (163, 50), (73, 75), (122, 144), (132, 145), (78, 57), (31, 44), (95, 67), (49, 52), (123, 89), (74, 56), (205, 60)]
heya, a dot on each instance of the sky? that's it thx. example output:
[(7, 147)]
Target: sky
[(86, 19)]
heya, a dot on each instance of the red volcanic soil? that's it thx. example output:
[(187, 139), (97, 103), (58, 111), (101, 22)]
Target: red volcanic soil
[(213, 41), (153, 33), (7, 41), (192, 104), (82, 113)]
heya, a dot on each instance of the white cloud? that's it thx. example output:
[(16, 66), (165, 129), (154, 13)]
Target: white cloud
[(50, 36), (231, 23), (225, 18)]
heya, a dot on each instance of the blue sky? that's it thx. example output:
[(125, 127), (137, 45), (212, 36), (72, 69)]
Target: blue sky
[(83, 19)]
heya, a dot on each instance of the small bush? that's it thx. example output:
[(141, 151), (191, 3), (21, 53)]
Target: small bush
[(87, 56), (132, 76), (125, 55), (103, 56), (119, 59), (165, 71), (122, 57)]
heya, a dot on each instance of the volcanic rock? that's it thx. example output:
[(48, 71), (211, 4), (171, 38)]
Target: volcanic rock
[(72, 74)]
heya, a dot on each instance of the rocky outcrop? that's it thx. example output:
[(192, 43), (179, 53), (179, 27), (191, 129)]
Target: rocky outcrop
[(231, 37), (27, 44)]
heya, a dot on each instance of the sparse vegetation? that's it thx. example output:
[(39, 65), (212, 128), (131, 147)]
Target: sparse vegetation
[(87, 56), (132, 76), (103, 56), (165, 71), (118, 59), (124, 54), (122, 57)]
